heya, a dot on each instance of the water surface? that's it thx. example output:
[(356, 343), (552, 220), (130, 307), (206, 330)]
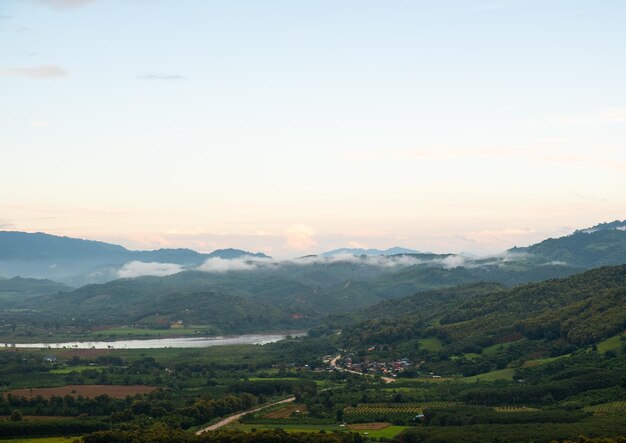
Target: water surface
[(180, 342)]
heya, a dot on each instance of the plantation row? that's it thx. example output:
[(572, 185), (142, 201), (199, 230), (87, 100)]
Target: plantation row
[(607, 408), (514, 409), (374, 408)]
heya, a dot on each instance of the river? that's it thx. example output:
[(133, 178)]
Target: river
[(180, 342)]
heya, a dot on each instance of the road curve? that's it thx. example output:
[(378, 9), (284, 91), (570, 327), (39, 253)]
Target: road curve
[(333, 364), (232, 418)]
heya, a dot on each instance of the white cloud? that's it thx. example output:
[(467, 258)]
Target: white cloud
[(557, 263), (383, 261), (157, 76), (300, 237), (139, 269), (589, 231), (217, 264), (40, 124), (41, 72), (64, 4), (453, 261), (607, 115)]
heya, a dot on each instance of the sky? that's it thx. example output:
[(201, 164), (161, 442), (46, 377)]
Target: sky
[(297, 126)]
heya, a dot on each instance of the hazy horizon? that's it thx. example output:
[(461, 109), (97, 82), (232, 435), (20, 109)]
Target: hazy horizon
[(289, 129)]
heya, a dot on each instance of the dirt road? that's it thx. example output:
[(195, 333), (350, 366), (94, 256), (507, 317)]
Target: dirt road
[(333, 364), (235, 417)]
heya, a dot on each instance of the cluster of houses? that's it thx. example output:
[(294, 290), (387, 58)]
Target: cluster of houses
[(383, 368)]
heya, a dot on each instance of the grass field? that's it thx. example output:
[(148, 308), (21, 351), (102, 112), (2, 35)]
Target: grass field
[(404, 408), (286, 411), (288, 428), (69, 369), (612, 344), (388, 432), (41, 440), (87, 391), (501, 374), (425, 379), (542, 361), (320, 383), (514, 409), (614, 407), (272, 378), (431, 344), (127, 331)]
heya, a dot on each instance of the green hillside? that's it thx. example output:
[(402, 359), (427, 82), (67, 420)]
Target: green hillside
[(487, 327), (17, 288)]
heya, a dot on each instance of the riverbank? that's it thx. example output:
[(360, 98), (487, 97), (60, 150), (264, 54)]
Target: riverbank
[(154, 343)]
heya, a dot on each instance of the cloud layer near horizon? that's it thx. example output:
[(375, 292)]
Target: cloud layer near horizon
[(140, 269), (250, 263), (41, 72), (65, 4)]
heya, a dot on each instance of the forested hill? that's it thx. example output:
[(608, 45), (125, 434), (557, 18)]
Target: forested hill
[(19, 288), (600, 245), (77, 262), (568, 313)]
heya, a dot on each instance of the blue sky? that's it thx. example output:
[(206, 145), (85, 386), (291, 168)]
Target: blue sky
[(297, 126)]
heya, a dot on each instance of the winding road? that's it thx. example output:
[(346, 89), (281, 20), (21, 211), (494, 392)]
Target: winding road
[(232, 418), (333, 364)]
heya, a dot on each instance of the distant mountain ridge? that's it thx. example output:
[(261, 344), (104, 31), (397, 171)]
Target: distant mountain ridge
[(76, 261), (304, 289), (361, 251)]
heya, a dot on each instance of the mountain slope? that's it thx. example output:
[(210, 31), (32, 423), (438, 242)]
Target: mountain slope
[(548, 318), (600, 245), (77, 262), (18, 288), (361, 251)]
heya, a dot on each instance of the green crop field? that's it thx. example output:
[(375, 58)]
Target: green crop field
[(42, 440), (542, 361), (388, 432), (613, 407), (614, 343), (69, 369), (500, 374), (401, 408), (287, 427), (514, 409), (493, 349), (126, 331), (431, 344)]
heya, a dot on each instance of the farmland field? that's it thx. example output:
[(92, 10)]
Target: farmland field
[(87, 391), (35, 418), (614, 407), (541, 361), (69, 369), (141, 332), (401, 408), (514, 409), (368, 426), (614, 343), (388, 432), (431, 344), (41, 440), (500, 374), (286, 411)]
